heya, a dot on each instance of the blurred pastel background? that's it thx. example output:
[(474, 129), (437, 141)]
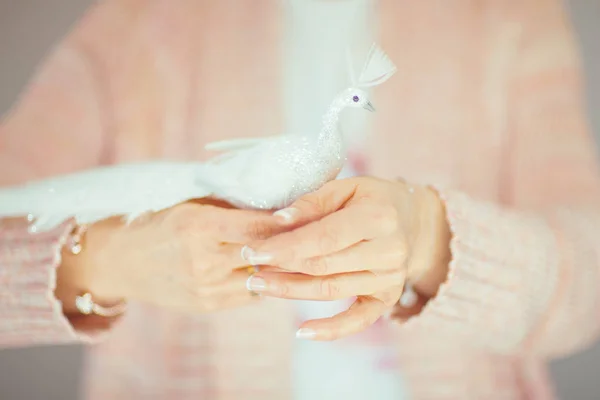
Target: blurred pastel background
[(28, 28)]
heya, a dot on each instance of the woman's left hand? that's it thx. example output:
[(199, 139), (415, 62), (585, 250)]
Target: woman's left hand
[(362, 237)]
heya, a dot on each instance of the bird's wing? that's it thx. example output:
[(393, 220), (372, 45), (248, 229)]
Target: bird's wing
[(232, 147), (89, 196), (245, 143), (237, 144)]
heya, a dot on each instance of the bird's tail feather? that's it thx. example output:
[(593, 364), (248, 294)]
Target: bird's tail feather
[(162, 186), (14, 203), (45, 223)]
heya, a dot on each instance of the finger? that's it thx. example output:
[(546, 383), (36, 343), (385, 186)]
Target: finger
[(313, 206), (384, 254), (231, 256), (364, 312), (224, 258), (226, 293), (333, 233), (268, 268), (331, 287), (232, 285), (234, 256)]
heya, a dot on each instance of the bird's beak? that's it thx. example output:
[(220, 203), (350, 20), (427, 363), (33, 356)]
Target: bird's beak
[(369, 107)]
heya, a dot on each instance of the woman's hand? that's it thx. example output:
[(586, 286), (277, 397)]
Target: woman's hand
[(361, 237), (184, 258)]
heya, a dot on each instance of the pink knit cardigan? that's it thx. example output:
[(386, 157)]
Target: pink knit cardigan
[(487, 105)]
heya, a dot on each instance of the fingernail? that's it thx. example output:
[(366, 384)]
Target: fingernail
[(409, 298), (256, 284), (260, 258), (305, 333), (255, 258), (286, 215)]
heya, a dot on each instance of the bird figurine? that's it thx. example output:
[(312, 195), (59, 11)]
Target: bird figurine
[(261, 173)]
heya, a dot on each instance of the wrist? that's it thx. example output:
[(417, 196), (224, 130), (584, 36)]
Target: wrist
[(82, 271), (431, 251)]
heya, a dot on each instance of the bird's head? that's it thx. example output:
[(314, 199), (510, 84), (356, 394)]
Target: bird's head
[(377, 69), (354, 97)]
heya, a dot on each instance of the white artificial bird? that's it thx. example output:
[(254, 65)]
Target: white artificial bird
[(262, 173)]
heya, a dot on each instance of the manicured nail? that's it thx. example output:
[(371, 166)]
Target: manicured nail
[(246, 252), (287, 215), (409, 298), (260, 258), (305, 333), (253, 257), (256, 284)]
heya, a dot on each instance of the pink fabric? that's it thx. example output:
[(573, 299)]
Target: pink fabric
[(487, 106)]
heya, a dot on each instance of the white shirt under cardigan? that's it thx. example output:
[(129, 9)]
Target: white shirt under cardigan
[(362, 366)]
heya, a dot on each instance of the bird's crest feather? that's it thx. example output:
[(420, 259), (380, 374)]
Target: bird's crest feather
[(377, 68)]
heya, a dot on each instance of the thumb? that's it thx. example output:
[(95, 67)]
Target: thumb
[(313, 206)]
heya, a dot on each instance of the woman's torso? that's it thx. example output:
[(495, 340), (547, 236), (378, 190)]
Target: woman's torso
[(179, 77)]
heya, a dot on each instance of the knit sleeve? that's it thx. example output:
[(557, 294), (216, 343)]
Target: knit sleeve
[(519, 278), (54, 128), (525, 272), (29, 311)]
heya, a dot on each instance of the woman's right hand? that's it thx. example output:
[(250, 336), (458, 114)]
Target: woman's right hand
[(187, 258)]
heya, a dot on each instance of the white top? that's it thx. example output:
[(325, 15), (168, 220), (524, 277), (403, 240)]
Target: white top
[(356, 368), (362, 366)]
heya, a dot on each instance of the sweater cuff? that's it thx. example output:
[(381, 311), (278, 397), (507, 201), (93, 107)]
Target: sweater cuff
[(502, 276), (29, 311)]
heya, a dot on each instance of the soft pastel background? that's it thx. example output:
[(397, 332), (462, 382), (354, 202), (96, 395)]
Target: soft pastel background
[(28, 28)]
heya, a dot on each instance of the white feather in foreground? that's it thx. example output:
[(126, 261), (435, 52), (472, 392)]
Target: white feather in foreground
[(260, 173)]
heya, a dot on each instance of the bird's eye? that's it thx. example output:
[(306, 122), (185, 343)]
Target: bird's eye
[(355, 99)]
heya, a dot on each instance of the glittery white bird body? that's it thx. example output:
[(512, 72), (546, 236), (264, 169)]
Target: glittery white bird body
[(260, 173), (271, 173)]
